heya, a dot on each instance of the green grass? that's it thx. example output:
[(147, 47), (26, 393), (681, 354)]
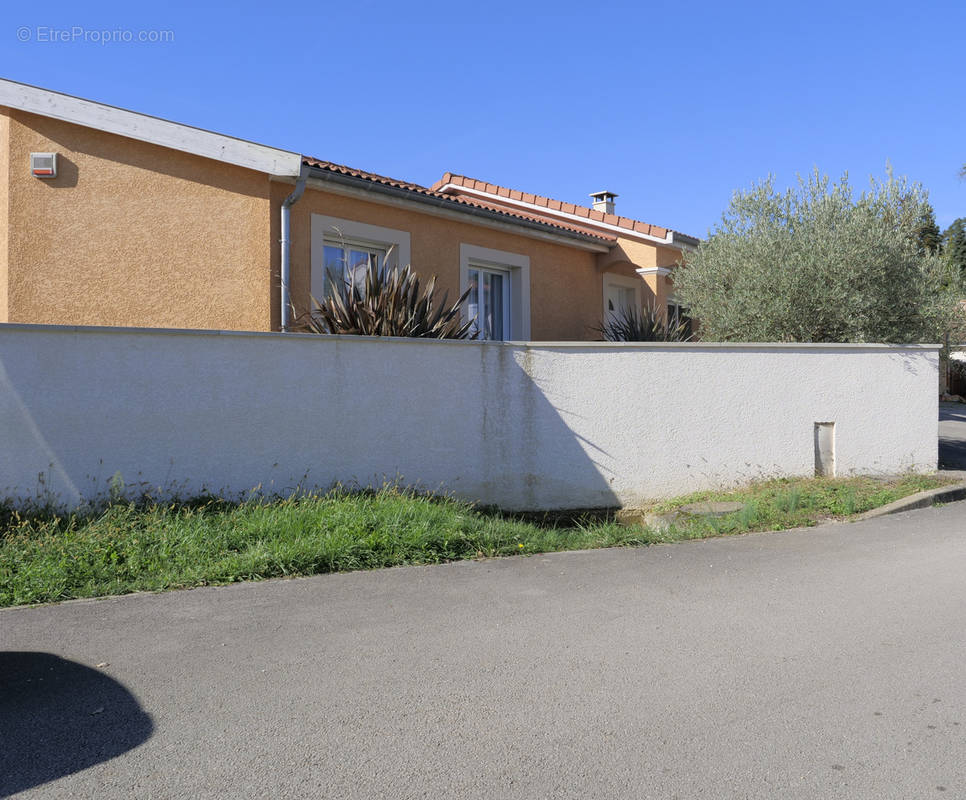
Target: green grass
[(128, 547), (795, 503)]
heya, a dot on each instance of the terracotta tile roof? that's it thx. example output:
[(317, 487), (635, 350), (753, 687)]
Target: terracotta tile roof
[(555, 205), (545, 218), (457, 200)]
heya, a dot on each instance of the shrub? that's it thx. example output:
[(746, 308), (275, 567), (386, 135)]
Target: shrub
[(633, 325), (387, 303)]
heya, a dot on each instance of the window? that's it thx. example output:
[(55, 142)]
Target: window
[(489, 302), (350, 261), (346, 247), (678, 315), (621, 294), (498, 283), (620, 298)]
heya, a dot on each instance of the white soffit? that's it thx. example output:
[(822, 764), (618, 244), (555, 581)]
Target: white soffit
[(150, 129)]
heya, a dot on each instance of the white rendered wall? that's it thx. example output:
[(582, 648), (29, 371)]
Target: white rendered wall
[(522, 426)]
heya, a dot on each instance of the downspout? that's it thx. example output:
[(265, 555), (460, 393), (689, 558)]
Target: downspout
[(286, 270)]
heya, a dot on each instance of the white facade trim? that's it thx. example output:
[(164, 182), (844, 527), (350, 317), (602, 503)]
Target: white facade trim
[(149, 129), (518, 265), (662, 271), (337, 229), (668, 241)]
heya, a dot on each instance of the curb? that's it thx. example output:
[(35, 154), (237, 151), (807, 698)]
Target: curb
[(944, 494)]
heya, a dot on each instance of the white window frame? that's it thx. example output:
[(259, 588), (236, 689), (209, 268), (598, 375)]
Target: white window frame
[(518, 266), (353, 245), (347, 232), (613, 279), (507, 299)]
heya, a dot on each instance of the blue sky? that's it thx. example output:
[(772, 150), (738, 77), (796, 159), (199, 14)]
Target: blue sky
[(671, 105)]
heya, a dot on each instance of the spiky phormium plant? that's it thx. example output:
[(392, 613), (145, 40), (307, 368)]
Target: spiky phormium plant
[(634, 325), (387, 303)]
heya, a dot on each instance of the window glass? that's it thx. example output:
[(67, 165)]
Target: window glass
[(350, 261), (473, 301), (489, 303), (496, 310), (333, 264), (619, 298)]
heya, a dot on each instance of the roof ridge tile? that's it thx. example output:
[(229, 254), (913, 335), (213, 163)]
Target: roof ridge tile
[(331, 166), (543, 201)]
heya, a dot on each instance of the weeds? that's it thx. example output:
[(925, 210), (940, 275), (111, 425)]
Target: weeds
[(124, 546)]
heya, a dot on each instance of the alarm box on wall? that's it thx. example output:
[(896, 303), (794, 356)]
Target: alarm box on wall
[(43, 165)]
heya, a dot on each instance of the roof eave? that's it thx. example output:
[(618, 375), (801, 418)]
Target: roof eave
[(684, 241), (145, 128), (587, 242)]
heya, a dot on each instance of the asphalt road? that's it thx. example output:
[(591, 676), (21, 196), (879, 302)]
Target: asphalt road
[(952, 436), (825, 663)]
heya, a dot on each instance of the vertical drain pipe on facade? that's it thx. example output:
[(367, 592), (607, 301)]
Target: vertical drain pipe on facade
[(286, 269)]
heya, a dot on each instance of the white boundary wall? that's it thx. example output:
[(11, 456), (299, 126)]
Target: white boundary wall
[(519, 425)]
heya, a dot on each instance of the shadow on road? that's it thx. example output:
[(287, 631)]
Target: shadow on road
[(58, 717), (952, 454), (952, 436), (949, 412)]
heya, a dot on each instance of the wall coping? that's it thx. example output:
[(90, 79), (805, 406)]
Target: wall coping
[(113, 330)]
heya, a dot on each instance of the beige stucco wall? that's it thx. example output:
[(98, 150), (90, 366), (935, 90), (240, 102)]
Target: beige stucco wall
[(135, 234), (566, 293)]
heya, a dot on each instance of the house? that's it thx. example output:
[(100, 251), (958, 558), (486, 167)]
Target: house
[(112, 217)]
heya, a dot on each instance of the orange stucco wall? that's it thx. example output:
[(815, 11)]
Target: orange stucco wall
[(4, 209), (637, 254), (136, 234), (133, 234), (566, 294)]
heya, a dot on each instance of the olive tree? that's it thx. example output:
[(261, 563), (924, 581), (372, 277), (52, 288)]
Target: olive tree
[(954, 245), (819, 264)]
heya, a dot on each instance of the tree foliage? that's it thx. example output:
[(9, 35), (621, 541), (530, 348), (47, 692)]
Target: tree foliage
[(928, 233), (818, 264), (954, 246)]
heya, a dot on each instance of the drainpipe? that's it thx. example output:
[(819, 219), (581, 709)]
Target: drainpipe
[(287, 204)]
